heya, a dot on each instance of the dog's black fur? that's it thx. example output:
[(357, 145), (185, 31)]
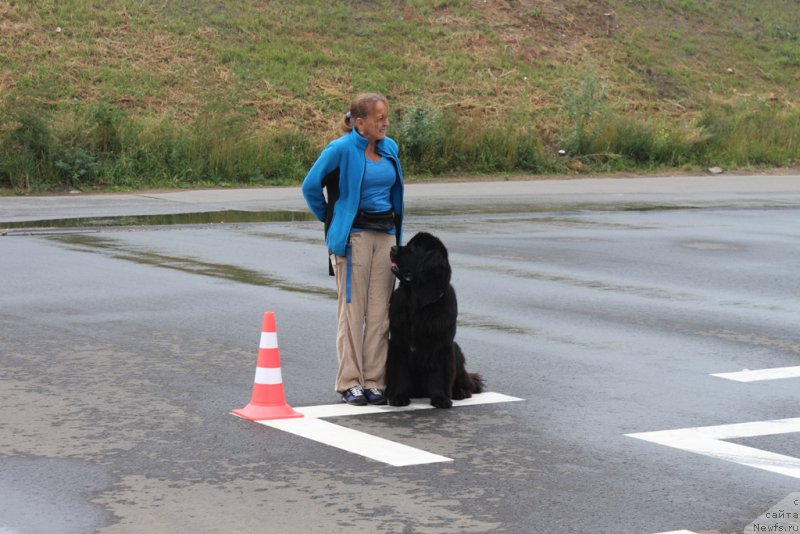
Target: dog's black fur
[(424, 360)]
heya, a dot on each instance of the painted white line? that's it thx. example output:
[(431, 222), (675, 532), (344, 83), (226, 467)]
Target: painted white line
[(708, 441), (350, 440), (678, 532), (342, 409), (373, 447), (776, 373)]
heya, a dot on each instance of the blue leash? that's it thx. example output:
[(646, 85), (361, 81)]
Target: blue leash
[(349, 272)]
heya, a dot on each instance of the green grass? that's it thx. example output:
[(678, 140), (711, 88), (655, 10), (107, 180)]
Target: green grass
[(186, 93)]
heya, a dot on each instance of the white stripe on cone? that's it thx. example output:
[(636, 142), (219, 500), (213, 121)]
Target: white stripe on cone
[(268, 375), (269, 340)]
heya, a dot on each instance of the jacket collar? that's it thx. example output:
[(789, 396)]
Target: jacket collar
[(361, 142)]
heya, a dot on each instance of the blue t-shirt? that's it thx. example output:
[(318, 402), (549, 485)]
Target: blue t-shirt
[(376, 188)]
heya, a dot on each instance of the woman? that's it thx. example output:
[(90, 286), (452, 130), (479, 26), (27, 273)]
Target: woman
[(362, 209)]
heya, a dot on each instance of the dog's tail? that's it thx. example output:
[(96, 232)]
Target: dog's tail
[(478, 383), (469, 382)]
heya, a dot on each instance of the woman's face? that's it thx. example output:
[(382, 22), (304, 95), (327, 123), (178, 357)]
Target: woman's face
[(373, 127)]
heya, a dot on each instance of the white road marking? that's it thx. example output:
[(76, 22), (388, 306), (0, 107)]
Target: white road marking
[(373, 447), (708, 441), (776, 373), (341, 409), (347, 439), (678, 532)]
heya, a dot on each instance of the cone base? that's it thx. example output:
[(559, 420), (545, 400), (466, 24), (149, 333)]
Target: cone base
[(255, 412)]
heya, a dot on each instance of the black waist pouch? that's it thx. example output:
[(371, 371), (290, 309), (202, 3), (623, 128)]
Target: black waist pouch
[(379, 222)]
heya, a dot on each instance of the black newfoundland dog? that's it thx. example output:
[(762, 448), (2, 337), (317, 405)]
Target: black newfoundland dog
[(424, 360)]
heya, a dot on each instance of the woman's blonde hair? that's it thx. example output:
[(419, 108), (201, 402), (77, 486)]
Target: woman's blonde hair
[(360, 108)]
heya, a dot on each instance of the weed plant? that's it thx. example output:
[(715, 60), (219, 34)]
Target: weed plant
[(104, 148)]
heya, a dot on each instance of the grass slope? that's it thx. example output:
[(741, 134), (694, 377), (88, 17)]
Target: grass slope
[(592, 76)]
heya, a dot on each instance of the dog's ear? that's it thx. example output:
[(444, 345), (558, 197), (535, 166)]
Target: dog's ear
[(433, 265), (433, 276)]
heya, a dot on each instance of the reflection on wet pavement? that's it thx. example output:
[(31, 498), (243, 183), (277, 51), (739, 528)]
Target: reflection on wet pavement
[(208, 217), (115, 249)]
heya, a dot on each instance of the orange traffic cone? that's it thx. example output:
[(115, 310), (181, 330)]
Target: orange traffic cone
[(268, 401)]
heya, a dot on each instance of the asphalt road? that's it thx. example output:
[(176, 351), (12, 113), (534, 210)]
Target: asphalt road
[(605, 305)]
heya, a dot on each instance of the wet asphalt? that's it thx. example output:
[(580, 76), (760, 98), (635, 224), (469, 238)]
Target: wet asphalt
[(605, 304)]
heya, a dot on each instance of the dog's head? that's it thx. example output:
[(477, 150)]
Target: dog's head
[(422, 265)]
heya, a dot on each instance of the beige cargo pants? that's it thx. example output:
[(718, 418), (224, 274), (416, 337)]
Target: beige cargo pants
[(362, 340)]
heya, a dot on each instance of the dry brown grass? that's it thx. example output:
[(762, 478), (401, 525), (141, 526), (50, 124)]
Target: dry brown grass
[(483, 58)]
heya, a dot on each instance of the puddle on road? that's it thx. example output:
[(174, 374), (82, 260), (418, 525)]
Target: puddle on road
[(709, 245), (207, 217), (484, 323), (114, 249), (510, 207), (755, 339), (241, 216)]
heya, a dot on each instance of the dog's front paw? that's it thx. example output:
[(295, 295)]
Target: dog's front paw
[(399, 401), (441, 402)]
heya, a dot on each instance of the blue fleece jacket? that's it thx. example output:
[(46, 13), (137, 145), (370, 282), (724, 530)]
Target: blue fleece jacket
[(340, 170)]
